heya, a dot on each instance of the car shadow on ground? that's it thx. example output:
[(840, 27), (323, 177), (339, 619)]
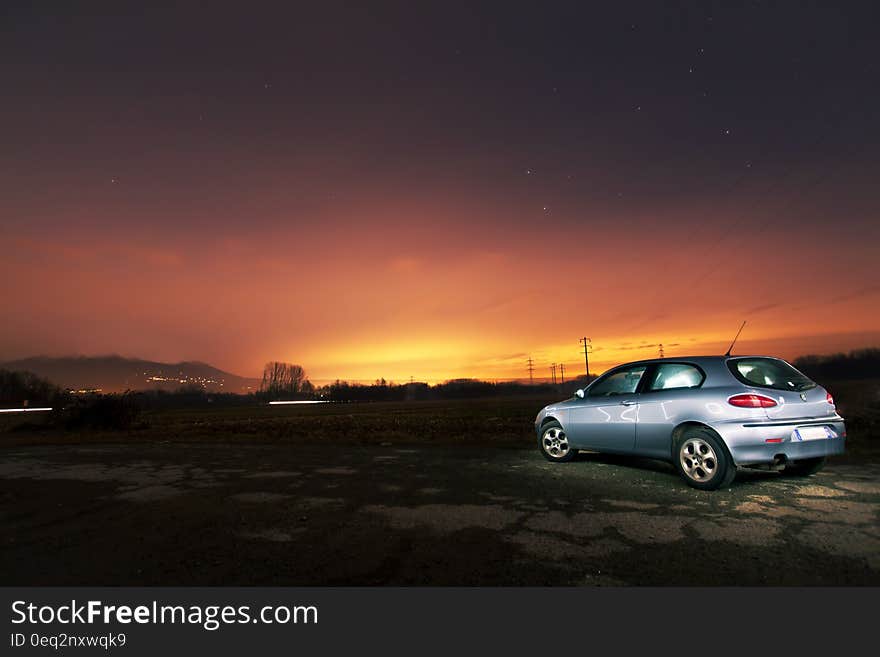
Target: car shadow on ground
[(627, 461), (753, 476), (744, 476)]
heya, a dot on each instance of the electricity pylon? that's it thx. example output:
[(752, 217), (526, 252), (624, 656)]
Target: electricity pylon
[(588, 348)]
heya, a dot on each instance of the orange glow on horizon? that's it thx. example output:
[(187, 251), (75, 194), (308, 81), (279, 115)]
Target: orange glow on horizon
[(435, 363), (441, 298)]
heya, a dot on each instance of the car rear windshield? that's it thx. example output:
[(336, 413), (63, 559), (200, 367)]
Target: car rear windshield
[(769, 373)]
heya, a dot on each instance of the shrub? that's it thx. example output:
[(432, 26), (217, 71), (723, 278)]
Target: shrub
[(111, 412)]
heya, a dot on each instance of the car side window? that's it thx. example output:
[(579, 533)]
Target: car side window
[(672, 376), (622, 382)]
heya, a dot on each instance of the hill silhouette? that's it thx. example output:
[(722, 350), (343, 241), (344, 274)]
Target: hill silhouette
[(117, 374)]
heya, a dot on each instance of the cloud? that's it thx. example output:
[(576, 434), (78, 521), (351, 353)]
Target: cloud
[(763, 308), (99, 252), (866, 291), (645, 322)]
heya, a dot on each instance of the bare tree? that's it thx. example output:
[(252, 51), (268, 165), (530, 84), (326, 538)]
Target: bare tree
[(284, 380)]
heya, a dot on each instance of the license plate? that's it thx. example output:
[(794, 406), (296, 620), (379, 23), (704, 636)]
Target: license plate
[(812, 433)]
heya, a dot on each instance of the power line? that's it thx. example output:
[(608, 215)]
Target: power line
[(660, 350), (531, 368), (553, 372), (562, 371)]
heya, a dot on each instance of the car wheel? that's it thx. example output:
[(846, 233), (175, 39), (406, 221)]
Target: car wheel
[(702, 460), (554, 443), (805, 467)]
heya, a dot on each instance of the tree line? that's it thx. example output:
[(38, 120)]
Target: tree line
[(288, 381), (17, 388), (857, 364)]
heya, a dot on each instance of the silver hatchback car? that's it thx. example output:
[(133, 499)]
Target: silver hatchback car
[(708, 415)]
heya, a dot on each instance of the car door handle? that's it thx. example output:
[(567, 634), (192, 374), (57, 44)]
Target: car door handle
[(628, 402)]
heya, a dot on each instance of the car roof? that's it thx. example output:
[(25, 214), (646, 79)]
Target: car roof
[(697, 360)]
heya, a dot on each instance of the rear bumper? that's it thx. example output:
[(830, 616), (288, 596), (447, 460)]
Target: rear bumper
[(748, 442)]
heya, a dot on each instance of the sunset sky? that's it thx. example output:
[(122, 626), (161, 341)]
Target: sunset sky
[(394, 190)]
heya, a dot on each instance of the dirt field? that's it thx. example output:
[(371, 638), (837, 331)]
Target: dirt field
[(320, 512)]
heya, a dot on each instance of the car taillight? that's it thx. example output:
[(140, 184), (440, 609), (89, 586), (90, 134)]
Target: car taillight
[(829, 398), (751, 401)]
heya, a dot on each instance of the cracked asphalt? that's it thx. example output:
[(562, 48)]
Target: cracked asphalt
[(281, 514)]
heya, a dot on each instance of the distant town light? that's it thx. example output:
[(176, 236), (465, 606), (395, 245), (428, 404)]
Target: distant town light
[(23, 410), (300, 401)]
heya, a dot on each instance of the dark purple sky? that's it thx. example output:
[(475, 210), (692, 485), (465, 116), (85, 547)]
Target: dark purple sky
[(405, 189)]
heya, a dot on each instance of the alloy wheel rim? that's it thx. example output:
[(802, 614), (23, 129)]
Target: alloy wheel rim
[(555, 442), (698, 459)]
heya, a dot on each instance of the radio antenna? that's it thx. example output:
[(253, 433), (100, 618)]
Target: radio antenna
[(730, 348)]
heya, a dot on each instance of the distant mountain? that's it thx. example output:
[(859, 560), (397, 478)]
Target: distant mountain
[(116, 374)]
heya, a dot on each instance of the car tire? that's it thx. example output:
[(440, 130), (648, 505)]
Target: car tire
[(702, 459), (553, 443), (805, 467)]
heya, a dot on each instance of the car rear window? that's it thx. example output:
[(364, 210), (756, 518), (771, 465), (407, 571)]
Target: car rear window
[(769, 373)]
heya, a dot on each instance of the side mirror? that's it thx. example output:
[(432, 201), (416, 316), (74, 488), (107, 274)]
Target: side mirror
[(579, 393)]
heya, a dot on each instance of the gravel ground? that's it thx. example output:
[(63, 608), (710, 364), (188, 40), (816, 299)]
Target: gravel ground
[(224, 514)]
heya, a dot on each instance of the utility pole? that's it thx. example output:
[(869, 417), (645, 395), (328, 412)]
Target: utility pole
[(588, 348), (562, 372), (531, 369), (662, 354), (553, 372)]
